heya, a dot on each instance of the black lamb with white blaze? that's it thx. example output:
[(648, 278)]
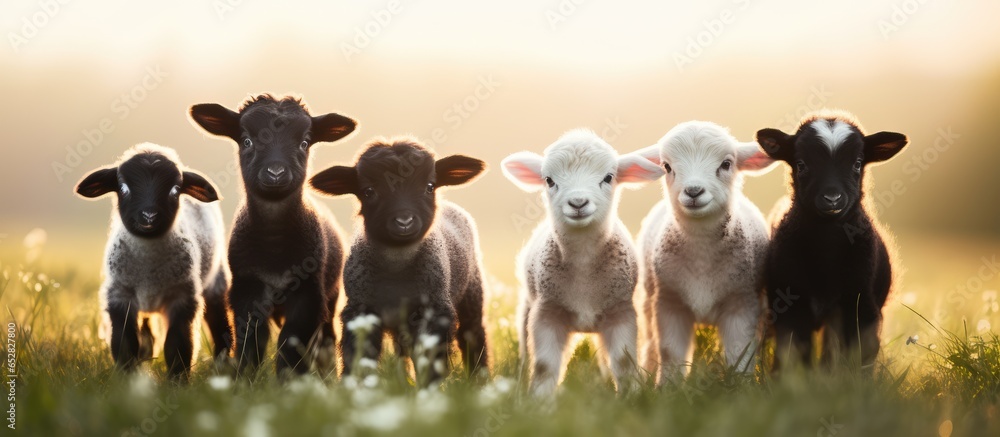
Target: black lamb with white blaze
[(416, 266), (165, 254), (285, 252), (828, 266)]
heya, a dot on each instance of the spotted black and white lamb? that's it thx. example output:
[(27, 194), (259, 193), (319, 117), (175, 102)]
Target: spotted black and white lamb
[(165, 254)]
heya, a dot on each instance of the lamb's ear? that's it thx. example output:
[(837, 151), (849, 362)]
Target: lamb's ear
[(336, 181), (882, 146), (217, 119), (752, 160), (331, 127), (457, 170), (524, 169), (198, 187), (98, 183), (640, 166), (777, 144)]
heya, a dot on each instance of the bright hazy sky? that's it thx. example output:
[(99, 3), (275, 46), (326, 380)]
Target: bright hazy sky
[(939, 35)]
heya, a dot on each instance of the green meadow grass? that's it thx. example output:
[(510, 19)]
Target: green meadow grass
[(945, 383)]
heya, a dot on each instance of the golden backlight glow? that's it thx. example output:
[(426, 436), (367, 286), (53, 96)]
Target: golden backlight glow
[(85, 80)]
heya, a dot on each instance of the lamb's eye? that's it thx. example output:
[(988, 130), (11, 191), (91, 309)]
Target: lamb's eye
[(801, 167), (726, 165), (369, 192), (124, 189), (549, 182), (430, 188), (857, 165), (303, 145), (666, 167), (175, 190), (607, 178), (247, 142)]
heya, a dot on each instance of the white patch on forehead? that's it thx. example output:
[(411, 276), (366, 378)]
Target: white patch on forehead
[(832, 136)]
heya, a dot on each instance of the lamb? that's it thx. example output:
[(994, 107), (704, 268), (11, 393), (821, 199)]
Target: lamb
[(415, 266), (580, 267), (285, 252), (703, 250), (164, 255), (827, 251)]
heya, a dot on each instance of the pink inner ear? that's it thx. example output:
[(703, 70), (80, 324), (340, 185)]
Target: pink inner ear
[(634, 173), (523, 173), (757, 161)]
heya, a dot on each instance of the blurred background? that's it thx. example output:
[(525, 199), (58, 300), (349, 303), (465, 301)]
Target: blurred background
[(86, 80)]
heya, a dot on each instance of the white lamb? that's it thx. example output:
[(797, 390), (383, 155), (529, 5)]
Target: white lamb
[(580, 267), (703, 250)]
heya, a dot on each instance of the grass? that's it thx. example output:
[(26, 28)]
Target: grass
[(945, 383)]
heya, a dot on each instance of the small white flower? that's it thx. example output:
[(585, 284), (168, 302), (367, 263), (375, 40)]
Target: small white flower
[(983, 326), (141, 385), (370, 381), (429, 341), (439, 366), (207, 421), (350, 382), (385, 417), (219, 382), (257, 418), (363, 323), (913, 339), (367, 363), (294, 342), (503, 384), (422, 362), (431, 405)]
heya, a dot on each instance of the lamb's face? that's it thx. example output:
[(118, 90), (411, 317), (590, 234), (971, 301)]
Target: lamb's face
[(274, 149), (397, 185), (398, 195), (828, 156), (149, 187), (580, 183), (829, 166), (274, 137), (148, 184), (700, 160), (580, 174)]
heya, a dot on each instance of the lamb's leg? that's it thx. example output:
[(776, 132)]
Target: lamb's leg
[(178, 347), (434, 336), (350, 348), (548, 334), (217, 317), (471, 334), (861, 333), (675, 335), (252, 306), (648, 353), (124, 334), (305, 311), (146, 340), (792, 344), (523, 315), (618, 335), (739, 328)]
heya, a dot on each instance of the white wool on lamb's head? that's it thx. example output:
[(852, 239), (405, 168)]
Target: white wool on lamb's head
[(580, 173), (703, 163)]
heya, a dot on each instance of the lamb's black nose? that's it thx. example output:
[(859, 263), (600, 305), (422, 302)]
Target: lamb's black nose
[(578, 202), (149, 216), (404, 221), (833, 198), (275, 170), (693, 192)]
